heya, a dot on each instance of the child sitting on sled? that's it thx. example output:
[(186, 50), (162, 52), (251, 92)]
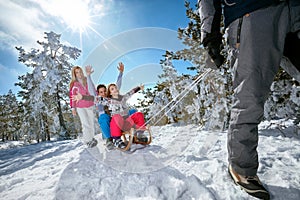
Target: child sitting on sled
[(122, 118)]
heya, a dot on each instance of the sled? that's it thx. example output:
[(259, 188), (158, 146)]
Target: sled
[(129, 138)]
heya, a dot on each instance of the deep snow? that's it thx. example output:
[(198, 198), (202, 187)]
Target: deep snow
[(182, 162)]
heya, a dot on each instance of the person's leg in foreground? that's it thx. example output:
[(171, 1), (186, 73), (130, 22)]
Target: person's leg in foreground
[(258, 56)]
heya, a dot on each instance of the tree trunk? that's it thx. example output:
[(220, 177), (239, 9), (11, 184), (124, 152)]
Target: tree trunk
[(42, 127), (61, 117), (46, 127)]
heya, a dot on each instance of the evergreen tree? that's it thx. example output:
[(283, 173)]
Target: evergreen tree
[(284, 99), (45, 89), (216, 89), (211, 104), (145, 103), (202, 98), (28, 126), (4, 118), (163, 98), (11, 113), (166, 103)]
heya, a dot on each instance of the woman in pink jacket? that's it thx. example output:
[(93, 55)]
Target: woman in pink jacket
[(84, 108)]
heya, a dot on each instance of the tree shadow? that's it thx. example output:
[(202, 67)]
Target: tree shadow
[(281, 193), (276, 131), (12, 160), (88, 178)]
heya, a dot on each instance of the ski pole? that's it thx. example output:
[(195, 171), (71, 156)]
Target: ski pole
[(184, 92)]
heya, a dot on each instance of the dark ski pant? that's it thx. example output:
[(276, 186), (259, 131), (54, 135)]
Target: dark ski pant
[(257, 42)]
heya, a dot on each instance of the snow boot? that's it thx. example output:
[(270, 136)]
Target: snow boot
[(118, 142), (92, 143), (141, 137), (109, 144), (251, 184)]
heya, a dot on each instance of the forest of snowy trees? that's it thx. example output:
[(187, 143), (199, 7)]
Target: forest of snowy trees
[(41, 109), (208, 102)]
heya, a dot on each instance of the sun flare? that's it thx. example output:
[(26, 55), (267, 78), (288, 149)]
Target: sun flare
[(75, 14)]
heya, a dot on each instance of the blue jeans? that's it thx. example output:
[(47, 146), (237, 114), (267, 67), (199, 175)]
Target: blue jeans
[(104, 122)]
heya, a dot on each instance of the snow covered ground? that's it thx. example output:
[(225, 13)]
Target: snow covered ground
[(182, 162)]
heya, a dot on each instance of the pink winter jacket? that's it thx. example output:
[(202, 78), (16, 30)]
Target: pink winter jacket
[(78, 87)]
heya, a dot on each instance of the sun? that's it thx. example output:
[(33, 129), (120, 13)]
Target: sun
[(75, 14)]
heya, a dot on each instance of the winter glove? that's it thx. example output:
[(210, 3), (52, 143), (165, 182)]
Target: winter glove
[(214, 53), (212, 44), (292, 48)]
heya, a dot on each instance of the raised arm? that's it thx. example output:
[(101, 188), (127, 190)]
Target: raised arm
[(132, 92), (91, 87), (119, 79)]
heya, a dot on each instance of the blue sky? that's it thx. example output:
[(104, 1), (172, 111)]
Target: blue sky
[(136, 32)]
